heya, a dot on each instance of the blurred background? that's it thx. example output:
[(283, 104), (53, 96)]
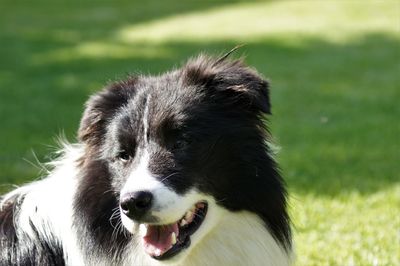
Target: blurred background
[(334, 67)]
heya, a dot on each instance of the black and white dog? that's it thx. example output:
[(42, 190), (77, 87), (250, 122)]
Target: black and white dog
[(174, 169)]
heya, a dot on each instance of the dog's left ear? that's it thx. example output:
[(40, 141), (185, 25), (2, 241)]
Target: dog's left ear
[(240, 83)]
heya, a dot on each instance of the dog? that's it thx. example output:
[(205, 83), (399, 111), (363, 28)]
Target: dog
[(174, 169)]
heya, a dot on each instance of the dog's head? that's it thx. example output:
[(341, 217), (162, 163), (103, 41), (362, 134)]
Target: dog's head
[(176, 149)]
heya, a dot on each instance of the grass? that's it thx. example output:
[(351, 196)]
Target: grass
[(334, 68)]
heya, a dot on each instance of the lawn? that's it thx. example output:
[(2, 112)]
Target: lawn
[(334, 67)]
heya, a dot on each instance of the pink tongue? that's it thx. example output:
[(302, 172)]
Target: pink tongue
[(158, 239)]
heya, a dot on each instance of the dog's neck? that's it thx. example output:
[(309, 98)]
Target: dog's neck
[(240, 238)]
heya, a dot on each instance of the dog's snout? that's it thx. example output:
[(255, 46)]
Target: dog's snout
[(135, 205)]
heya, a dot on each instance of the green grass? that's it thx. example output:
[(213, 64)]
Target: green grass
[(334, 68)]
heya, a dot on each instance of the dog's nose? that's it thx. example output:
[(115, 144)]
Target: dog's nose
[(135, 205)]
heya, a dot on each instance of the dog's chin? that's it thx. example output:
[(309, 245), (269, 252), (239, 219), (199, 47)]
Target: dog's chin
[(172, 242)]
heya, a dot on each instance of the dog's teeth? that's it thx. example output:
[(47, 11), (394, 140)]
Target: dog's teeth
[(143, 229), (188, 215), (173, 238), (157, 252), (183, 222)]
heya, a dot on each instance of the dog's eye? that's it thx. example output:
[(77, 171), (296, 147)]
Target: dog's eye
[(123, 156), (180, 144)]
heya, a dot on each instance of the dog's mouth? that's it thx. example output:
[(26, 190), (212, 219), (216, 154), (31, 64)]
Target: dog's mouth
[(167, 240)]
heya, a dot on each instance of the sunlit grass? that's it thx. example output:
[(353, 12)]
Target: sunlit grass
[(96, 50), (334, 69), (251, 21), (350, 229)]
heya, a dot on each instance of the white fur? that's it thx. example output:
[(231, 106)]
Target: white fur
[(224, 238), (146, 120), (48, 204)]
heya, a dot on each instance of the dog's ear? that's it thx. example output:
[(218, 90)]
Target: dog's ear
[(100, 107), (233, 78)]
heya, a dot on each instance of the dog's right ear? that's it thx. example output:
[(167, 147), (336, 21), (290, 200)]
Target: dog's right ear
[(244, 86), (100, 107)]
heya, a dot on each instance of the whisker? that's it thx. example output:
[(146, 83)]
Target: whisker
[(165, 178), (124, 231), (115, 233), (108, 191), (221, 200), (116, 214)]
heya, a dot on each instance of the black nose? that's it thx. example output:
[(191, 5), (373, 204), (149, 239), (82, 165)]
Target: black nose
[(135, 205)]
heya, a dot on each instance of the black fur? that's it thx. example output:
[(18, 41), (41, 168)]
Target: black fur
[(207, 128), (95, 207)]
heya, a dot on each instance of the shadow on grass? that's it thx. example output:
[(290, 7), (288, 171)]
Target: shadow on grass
[(335, 109)]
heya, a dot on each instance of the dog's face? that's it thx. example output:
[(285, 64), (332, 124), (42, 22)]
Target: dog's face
[(180, 148)]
